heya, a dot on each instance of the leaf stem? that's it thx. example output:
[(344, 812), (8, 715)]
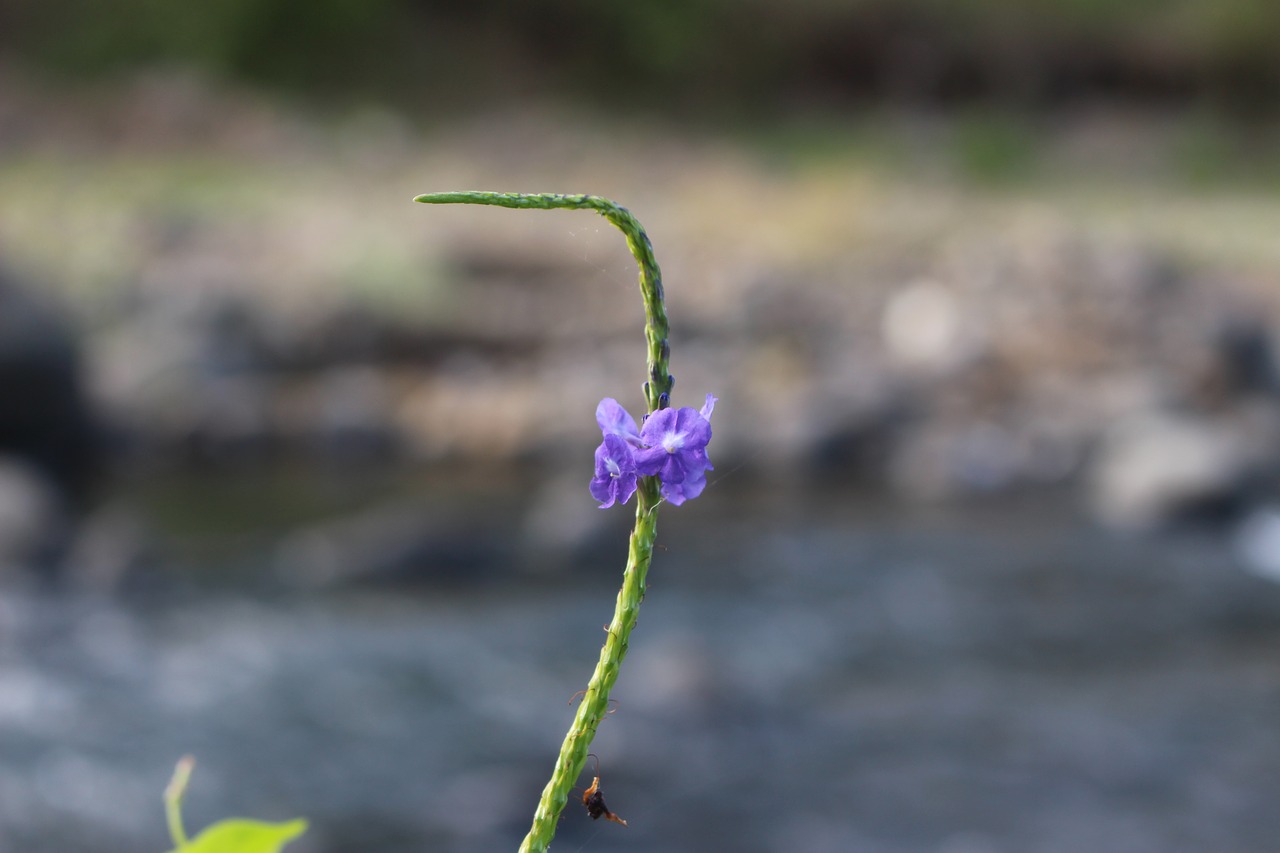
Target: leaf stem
[(173, 794), (657, 391)]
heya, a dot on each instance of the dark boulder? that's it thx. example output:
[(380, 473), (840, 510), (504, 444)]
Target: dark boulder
[(44, 417), (47, 433)]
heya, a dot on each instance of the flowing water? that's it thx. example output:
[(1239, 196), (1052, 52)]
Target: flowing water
[(810, 673)]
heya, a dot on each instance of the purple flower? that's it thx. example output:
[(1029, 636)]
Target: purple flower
[(672, 446), (674, 449), (616, 477)]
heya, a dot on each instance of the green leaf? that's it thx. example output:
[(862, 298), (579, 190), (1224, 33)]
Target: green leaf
[(244, 836)]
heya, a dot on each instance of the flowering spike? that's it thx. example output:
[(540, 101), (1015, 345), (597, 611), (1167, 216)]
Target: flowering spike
[(617, 477)]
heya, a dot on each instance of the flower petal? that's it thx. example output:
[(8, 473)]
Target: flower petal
[(656, 426), (691, 487), (602, 490), (615, 420), (672, 470), (649, 460), (695, 429)]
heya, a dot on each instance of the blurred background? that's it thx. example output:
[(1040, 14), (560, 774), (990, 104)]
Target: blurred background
[(293, 471)]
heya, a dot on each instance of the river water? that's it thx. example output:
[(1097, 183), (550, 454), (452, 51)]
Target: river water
[(810, 673)]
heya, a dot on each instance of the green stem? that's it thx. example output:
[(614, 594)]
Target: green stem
[(595, 703), (173, 794), (657, 389)]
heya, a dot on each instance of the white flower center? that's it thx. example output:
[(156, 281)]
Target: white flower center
[(614, 470), (672, 441)]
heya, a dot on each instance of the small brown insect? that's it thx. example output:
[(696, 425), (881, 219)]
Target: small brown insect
[(593, 799)]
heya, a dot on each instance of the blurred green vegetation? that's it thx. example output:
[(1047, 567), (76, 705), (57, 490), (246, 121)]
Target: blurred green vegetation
[(995, 148), (730, 55)]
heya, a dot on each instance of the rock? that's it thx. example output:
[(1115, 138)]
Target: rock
[(398, 543), (987, 364), (44, 417), (935, 463), (1256, 541), (1152, 466), (923, 328), (110, 548), (1246, 352), (33, 521), (563, 526)]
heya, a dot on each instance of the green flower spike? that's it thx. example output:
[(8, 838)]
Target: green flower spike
[(657, 390)]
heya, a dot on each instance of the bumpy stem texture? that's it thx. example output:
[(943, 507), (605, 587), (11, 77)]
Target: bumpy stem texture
[(657, 389)]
